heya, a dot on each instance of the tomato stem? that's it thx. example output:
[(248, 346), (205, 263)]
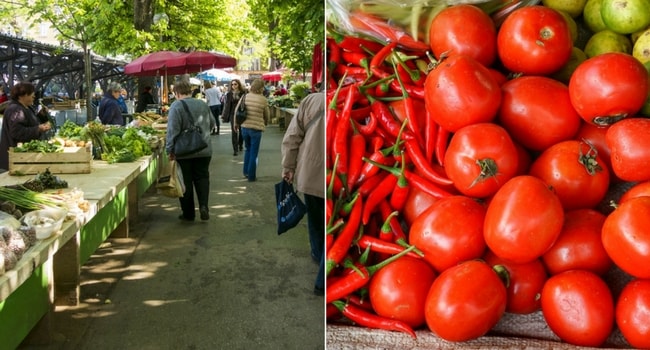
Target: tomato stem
[(503, 274)]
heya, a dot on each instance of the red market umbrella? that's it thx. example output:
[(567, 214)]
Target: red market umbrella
[(272, 76), (172, 62)]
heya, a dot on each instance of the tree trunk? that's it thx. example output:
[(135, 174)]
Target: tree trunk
[(88, 73), (142, 20)]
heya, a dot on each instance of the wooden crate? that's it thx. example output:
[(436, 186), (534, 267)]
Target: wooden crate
[(73, 160)]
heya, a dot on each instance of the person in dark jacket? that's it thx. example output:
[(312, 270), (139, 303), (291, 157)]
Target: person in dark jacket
[(145, 98), (109, 108), (233, 95), (19, 123)]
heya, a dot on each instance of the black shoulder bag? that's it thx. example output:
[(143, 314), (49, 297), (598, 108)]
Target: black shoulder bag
[(240, 113), (190, 140)]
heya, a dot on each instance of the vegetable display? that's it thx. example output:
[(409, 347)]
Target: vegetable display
[(470, 146)]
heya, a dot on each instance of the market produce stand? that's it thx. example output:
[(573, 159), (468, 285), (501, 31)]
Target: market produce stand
[(48, 273)]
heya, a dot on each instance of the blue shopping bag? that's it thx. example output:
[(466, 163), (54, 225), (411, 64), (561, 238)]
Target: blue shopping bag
[(290, 208)]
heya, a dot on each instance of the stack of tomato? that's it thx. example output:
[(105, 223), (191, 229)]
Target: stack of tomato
[(465, 182)]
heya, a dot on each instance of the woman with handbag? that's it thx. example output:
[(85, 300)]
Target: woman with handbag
[(257, 116), (230, 101), (185, 114)]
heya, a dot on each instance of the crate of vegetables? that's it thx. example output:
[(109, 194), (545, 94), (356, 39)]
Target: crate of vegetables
[(38, 156)]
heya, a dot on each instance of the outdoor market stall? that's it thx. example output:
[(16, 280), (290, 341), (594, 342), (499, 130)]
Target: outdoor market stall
[(48, 273)]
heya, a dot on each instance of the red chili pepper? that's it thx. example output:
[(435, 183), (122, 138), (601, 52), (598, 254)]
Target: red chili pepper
[(369, 127), (390, 216), (333, 54), (340, 146), (401, 191), (431, 135), (441, 145), (360, 113), (350, 283), (343, 70), (365, 318), (357, 44), (370, 25), (369, 169), (335, 184), (357, 150), (412, 90), (379, 245), (386, 119), (359, 301), (424, 185), (382, 90), (332, 312), (342, 243), (371, 183), (377, 195), (346, 206), (379, 58), (359, 59), (423, 165)]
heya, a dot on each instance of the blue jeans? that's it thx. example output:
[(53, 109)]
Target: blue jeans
[(316, 226), (252, 140)]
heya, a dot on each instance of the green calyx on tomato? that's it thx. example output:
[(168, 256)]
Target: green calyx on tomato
[(489, 169), (503, 274), (607, 120), (589, 159)]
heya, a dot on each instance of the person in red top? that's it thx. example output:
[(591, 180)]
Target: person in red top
[(3, 94), (280, 91)]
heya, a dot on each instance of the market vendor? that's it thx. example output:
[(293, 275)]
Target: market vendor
[(109, 108), (20, 124)]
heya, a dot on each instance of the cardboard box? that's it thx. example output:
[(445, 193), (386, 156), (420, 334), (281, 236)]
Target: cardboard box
[(73, 160)]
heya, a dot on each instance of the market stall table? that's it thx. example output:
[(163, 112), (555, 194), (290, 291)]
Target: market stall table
[(48, 273)]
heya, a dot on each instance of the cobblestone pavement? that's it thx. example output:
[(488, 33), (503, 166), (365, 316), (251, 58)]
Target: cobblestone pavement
[(227, 283)]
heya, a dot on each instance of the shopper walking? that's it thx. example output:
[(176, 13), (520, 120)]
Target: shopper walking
[(303, 163), (213, 98), (228, 116), (257, 116), (195, 167)]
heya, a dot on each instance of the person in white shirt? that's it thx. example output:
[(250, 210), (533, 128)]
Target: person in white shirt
[(213, 98)]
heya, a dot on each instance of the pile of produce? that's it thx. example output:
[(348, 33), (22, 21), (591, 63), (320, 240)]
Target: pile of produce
[(471, 166)]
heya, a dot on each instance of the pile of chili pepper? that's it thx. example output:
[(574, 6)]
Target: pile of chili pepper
[(374, 159)]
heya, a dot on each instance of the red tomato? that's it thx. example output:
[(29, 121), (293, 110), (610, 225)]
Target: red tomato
[(443, 238), (595, 135), (576, 173), (498, 76), (578, 307), (608, 87), (465, 301), (579, 245), (537, 112), (534, 40), (633, 313), (450, 33), (480, 158), (629, 144), (524, 159), (417, 202), (459, 91), (626, 236), (526, 282), (638, 190), (399, 290), (523, 219)]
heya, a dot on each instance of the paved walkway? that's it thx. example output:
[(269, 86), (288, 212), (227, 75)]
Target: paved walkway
[(228, 283)]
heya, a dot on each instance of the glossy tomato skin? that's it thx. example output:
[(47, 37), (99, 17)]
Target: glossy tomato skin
[(633, 313), (629, 144), (526, 282), (626, 237), (534, 40), (523, 219), (608, 87), (576, 173), (595, 135), (480, 158), (465, 301), (399, 290), (537, 112), (450, 33), (579, 245), (443, 238), (417, 202), (578, 307), (638, 190), (459, 91)]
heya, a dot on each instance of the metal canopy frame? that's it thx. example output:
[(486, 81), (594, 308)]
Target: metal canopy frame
[(40, 63)]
